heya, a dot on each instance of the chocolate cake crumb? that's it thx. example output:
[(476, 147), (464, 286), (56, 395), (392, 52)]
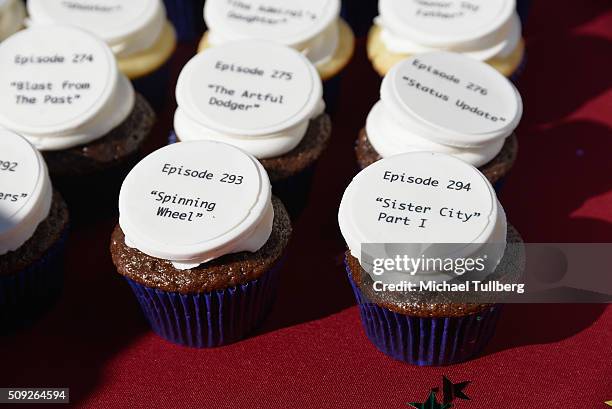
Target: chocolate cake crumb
[(113, 150), (47, 234), (495, 170), (425, 305), (225, 272)]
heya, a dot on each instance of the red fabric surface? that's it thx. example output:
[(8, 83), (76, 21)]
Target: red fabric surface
[(312, 352)]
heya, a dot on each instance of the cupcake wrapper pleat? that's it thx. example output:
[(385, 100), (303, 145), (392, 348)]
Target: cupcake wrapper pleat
[(210, 319), (425, 341), (24, 296), (172, 139), (520, 70)]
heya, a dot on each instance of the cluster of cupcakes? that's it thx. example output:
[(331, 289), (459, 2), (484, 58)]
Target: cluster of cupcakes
[(204, 222)]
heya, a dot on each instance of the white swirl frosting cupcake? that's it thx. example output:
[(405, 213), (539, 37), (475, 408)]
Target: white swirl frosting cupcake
[(61, 89), (313, 27), (33, 230), (200, 230), (448, 103), (486, 30), (137, 31)]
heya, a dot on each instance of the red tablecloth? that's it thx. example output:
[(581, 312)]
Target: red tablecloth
[(312, 352)]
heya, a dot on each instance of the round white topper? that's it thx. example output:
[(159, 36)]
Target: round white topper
[(422, 198), (446, 22), (287, 21), (110, 20), (467, 101), (54, 79), (249, 88), (190, 198), (21, 174)]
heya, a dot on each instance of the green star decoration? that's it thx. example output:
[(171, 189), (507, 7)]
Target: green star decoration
[(431, 403), (454, 391), (609, 403)]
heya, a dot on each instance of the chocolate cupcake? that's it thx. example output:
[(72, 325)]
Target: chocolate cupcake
[(447, 103), (434, 213), (137, 31), (200, 241), (63, 92), (314, 28), (12, 14), (33, 229), (263, 98), (486, 30)]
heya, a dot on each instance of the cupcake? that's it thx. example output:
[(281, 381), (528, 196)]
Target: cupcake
[(33, 229), (313, 28), (12, 14), (62, 91), (264, 98), (486, 30), (200, 240), (448, 103), (137, 32), (440, 210), (360, 14), (187, 18)]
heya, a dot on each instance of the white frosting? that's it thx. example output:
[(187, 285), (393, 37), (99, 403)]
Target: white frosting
[(256, 95), (309, 26), (12, 14), (193, 202), (25, 191), (482, 29), (452, 220), (419, 110), (61, 87), (127, 26), (389, 137)]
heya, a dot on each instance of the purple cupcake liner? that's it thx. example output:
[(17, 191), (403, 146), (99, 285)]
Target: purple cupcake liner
[(331, 93), (519, 70), (187, 16), (294, 191), (499, 185), (212, 319), (154, 87), (425, 341), (26, 295), (172, 139), (79, 191)]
